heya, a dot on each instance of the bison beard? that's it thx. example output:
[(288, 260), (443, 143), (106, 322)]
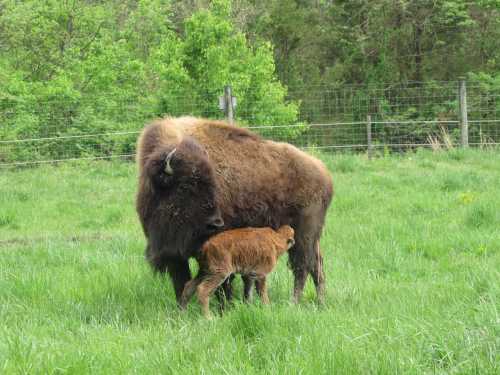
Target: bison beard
[(197, 175)]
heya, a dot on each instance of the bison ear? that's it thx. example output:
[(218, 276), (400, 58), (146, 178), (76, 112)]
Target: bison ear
[(168, 167)]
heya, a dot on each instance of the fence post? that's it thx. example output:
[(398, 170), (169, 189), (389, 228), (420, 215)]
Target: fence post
[(464, 124), (369, 135), (228, 101)]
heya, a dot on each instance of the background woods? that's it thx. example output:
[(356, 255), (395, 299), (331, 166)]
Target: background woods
[(91, 69)]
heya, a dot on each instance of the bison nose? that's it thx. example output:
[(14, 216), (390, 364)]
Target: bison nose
[(215, 223)]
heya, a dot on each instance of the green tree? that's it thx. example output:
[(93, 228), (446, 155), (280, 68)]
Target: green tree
[(74, 69), (216, 54)]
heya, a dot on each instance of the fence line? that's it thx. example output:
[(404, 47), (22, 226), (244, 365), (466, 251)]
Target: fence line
[(350, 146), (68, 137), (319, 117), (24, 163)]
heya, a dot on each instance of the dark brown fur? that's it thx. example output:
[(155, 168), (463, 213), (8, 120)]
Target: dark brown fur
[(251, 182), (251, 252), (177, 212)]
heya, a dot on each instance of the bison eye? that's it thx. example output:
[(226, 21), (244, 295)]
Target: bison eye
[(207, 206)]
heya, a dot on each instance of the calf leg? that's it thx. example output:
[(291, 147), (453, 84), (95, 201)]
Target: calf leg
[(206, 287), (261, 287), (189, 290)]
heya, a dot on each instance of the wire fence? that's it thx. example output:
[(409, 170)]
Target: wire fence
[(349, 117)]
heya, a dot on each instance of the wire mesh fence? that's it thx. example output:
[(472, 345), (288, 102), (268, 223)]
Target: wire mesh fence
[(34, 131)]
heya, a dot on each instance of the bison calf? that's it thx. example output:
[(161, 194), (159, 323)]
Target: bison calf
[(251, 252)]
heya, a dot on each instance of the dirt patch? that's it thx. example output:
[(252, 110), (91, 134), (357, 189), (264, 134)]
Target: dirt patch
[(76, 238)]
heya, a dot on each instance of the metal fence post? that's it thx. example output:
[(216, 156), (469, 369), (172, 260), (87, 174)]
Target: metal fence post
[(369, 135), (464, 124), (228, 98)]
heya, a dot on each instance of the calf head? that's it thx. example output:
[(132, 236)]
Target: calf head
[(287, 233)]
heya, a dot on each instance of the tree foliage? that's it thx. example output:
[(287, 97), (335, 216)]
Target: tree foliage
[(75, 68), (79, 67)]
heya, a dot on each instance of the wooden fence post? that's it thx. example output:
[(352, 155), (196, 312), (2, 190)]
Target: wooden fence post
[(464, 124), (369, 135), (228, 96)]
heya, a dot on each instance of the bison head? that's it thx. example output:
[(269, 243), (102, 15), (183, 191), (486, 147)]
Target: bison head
[(184, 211)]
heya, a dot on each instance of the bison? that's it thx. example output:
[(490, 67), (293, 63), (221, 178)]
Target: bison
[(251, 252), (198, 177)]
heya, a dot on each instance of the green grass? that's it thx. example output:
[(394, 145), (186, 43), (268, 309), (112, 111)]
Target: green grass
[(412, 258)]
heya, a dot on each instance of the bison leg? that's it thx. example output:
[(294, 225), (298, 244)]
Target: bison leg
[(297, 261), (225, 292), (261, 287), (247, 288), (299, 283), (318, 275), (311, 264), (178, 270), (305, 257)]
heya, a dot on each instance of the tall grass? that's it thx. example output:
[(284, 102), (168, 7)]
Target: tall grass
[(412, 258)]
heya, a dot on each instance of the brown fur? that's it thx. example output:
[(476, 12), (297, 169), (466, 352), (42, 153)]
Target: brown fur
[(251, 252), (177, 212), (253, 183)]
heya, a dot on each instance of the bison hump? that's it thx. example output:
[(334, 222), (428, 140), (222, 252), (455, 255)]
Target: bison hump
[(219, 131), (241, 135)]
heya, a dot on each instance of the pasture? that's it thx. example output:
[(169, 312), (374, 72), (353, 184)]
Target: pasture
[(412, 261)]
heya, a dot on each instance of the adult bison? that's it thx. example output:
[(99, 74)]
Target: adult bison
[(200, 176)]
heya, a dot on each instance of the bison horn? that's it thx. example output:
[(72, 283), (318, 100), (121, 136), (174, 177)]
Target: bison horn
[(168, 168)]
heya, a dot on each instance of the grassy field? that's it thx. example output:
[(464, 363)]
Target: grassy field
[(412, 257)]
